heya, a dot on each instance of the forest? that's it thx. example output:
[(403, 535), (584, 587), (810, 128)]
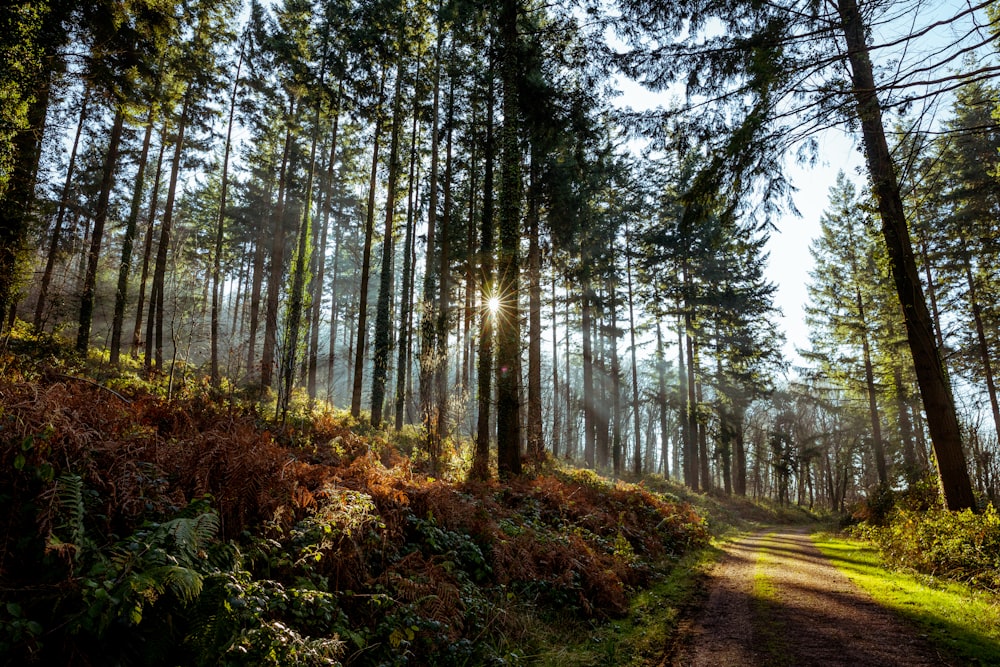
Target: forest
[(330, 328)]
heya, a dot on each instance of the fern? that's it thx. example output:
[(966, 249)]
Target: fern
[(191, 537), (68, 496)]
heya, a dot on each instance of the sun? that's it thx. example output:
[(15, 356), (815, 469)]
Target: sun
[(493, 305)]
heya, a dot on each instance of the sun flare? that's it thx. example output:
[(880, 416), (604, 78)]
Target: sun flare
[(493, 305)]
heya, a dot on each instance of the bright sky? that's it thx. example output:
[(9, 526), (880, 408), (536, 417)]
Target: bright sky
[(790, 262)]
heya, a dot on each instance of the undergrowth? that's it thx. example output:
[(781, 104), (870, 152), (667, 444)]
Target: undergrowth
[(913, 532), (963, 546), (151, 531)]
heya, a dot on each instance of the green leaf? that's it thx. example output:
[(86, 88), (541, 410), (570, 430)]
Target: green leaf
[(46, 472), (19, 462)]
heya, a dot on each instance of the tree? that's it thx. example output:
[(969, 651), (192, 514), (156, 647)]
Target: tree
[(381, 352), (489, 297), (123, 42), (33, 33), (843, 293), (220, 233), (508, 339), (963, 174), (198, 76), (57, 229), (750, 69)]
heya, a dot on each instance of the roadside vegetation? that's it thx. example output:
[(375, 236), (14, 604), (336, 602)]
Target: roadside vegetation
[(192, 531)]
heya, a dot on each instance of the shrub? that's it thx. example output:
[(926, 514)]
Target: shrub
[(964, 546)]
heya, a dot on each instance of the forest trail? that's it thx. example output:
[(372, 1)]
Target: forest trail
[(775, 600)]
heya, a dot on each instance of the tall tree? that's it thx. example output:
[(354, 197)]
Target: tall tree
[(32, 35), (490, 297), (57, 229), (124, 42), (220, 232), (194, 60), (508, 262), (383, 333), (842, 292)]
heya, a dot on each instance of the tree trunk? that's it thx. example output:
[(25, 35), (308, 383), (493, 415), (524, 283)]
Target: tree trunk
[(154, 323), (338, 239), (984, 349), (589, 426), (276, 272), (556, 417), (703, 459), (637, 455), (935, 389), (484, 371), (428, 361), (43, 290), (220, 231), (319, 254), (444, 274), (405, 343), (383, 323), (739, 457), (931, 291), (571, 420), (121, 294), (877, 447), (602, 407), (366, 260), (616, 373), (147, 252), (905, 425), (257, 287), (661, 399), (536, 445), (97, 236), (296, 297), (683, 392), (18, 199), (691, 445), (470, 252), (508, 266)]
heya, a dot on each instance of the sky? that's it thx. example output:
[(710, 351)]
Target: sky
[(789, 261)]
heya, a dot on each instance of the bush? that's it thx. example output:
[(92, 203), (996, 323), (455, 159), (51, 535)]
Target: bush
[(964, 546)]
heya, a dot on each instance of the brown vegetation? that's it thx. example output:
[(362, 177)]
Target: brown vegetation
[(317, 501)]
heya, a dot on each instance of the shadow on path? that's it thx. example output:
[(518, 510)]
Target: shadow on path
[(774, 600)]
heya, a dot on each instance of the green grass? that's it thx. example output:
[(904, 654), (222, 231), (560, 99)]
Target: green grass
[(645, 635), (959, 621)]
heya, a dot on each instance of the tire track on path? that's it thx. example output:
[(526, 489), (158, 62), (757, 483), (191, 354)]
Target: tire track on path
[(774, 600)]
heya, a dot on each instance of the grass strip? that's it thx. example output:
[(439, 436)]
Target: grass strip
[(960, 622), (768, 630)]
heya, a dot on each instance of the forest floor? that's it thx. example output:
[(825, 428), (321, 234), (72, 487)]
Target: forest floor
[(774, 599)]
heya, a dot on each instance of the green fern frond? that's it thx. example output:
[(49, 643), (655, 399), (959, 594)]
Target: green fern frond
[(69, 495), (183, 582), (191, 536)]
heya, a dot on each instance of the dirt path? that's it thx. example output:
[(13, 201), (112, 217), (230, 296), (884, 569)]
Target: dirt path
[(776, 600)]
